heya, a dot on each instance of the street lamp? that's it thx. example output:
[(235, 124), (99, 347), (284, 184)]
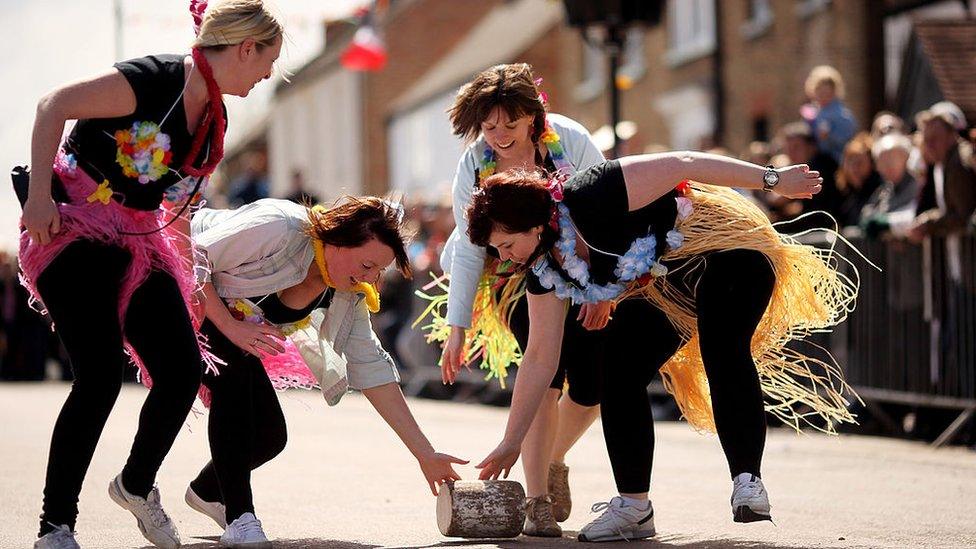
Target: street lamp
[(614, 16)]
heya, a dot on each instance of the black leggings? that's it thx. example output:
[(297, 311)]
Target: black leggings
[(732, 294), (81, 291), (247, 427), (581, 358)]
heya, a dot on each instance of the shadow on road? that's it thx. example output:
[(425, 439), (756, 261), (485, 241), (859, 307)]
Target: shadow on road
[(307, 543), (569, 539)]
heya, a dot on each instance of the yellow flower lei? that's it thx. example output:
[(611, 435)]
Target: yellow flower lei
[(367, 289)]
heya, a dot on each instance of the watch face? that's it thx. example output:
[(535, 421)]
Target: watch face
[(771, 178)]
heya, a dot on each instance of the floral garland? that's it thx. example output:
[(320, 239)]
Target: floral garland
[(143, 151), (639, 260)]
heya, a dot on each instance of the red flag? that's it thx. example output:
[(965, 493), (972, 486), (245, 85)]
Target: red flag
[(366, 52)]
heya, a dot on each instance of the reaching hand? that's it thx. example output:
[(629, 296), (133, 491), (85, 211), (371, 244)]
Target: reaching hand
[(452, 356), (595, 316), (253, 337), (437, 469), (42, 219), (499, 461), (798, 182)]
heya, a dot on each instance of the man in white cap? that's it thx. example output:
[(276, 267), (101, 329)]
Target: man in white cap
[(948, 196)]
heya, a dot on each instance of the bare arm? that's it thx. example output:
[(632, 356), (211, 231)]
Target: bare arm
[(388, 401), (649, 176), (104, 96), (547, 314)]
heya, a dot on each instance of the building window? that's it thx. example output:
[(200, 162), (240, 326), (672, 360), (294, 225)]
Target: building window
[(691, 30), (809, 8), (759, 19), (595, 63)]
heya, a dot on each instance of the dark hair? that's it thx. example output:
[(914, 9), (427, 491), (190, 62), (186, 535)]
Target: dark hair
[(354, 221), (514, 201), (511, 87)]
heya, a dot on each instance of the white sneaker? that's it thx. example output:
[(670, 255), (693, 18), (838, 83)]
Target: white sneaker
[(619, 521), (60, 538), (245, 531), (750, 503), (153, 521), (213, 509)]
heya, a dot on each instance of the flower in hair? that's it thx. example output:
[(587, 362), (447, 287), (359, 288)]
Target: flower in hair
[(197, 8)]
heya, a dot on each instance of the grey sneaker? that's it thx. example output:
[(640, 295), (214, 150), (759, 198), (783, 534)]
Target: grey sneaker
[(213, 509), (153, 521), (245, 531), (539, 521), (750, 502), (60, 538), (562, 502), (619, 521)]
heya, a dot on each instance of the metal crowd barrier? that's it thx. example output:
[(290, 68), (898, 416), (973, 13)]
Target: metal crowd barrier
[(912, 337)]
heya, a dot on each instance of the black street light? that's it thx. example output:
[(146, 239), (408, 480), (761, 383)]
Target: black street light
[(614, 16)]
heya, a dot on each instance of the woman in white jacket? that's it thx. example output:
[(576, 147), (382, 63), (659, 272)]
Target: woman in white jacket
[(503, 114), (292, 287)]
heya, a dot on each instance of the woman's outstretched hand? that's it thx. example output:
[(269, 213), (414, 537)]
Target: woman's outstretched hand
[(438, 468), (499, 462), (798, 182)]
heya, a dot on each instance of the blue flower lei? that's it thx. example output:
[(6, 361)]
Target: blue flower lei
[(640, 259)]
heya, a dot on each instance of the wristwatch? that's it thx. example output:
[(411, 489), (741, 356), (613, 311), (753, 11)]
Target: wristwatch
[(770, 179)]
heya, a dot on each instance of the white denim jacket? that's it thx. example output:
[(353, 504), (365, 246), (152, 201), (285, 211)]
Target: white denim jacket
[(261, 248), (465, 261)]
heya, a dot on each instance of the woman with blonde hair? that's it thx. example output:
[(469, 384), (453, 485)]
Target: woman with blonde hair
[(111, 271), (289, 299), (856, 179)]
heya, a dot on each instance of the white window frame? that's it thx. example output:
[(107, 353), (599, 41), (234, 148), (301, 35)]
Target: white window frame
[(806, 9), (595, 69), (691, 28), (760, 22)]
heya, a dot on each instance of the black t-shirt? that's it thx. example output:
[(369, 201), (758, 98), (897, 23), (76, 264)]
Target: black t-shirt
[(277, 312), (158, 82), (597, 202)]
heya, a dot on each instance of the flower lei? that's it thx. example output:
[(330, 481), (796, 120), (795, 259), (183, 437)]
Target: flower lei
[(143, 151), (368, 290), (639, 260)]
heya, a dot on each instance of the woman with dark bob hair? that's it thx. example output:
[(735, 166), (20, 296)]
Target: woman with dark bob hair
[(715, 295), (289, 298), (502, 115)]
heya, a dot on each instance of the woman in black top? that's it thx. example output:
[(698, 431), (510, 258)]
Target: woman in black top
[(111, 271), (723, 293)]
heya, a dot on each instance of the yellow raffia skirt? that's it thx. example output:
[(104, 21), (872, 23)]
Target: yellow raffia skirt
[(810, 295), (489, 339)]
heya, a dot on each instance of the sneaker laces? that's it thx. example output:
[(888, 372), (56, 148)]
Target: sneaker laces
[(749, 489), (541, 512), (62, 529), (154, 508), (609, 512), (250, 527)]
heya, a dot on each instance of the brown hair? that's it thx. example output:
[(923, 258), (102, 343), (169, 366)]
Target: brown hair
[(511, 87), (514, 201), (354, 221), (859, 144)]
